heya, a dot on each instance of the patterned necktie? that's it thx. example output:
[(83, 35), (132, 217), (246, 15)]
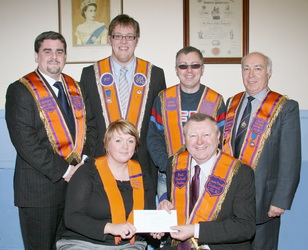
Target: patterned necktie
[(194, 187), (242, 129), (65, 106), (123, 91)]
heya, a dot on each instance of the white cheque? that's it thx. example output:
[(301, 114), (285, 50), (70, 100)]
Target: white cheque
[(148, 221)]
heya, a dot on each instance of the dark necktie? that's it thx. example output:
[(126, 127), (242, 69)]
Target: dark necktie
[(242, 129), (194, 187), (65, 106)]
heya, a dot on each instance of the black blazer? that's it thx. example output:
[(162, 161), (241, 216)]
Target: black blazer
[(235, 224), (278, 171), (91, 95), (38, 174)]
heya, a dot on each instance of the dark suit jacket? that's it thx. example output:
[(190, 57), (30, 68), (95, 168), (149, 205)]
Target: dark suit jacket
[(235, 224), (89, 87), (38, 174), (277, 173)]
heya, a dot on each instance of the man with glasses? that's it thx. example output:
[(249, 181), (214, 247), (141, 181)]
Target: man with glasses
[(124, 86), (175, 105)]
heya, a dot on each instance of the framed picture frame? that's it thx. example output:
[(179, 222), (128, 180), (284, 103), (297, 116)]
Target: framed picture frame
[(84, 24), (219, 29)]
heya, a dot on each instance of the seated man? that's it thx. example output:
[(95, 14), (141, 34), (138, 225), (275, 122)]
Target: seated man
[(213, 192)]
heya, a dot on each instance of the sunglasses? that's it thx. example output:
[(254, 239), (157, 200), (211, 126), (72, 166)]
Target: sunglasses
[(193, 66)]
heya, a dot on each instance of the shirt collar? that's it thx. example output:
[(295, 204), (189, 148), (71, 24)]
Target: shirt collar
[(260, 96), (49, 80), (207, 164), (116, 67)]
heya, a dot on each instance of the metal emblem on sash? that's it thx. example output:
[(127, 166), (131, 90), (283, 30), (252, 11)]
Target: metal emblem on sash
[(108, 94), (243, 124)]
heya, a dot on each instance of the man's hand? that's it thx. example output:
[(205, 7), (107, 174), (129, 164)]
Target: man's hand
[(275, 211), (165, 205), (183, 232), (72, 171)]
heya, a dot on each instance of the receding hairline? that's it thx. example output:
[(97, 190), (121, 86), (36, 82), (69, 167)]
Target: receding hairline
[(267, 59)]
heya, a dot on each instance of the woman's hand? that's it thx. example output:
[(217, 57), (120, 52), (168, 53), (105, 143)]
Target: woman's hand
[(125, 230)]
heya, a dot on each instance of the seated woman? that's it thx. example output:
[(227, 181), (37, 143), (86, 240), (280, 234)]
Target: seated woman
[(102, 195)]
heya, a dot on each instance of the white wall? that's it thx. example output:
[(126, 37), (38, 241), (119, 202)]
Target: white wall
[(277, 28)]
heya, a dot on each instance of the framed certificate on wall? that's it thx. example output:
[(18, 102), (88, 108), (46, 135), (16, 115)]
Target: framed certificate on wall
[(218, 28)]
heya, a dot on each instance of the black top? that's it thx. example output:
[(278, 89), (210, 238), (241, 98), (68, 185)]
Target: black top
[(87, 208)]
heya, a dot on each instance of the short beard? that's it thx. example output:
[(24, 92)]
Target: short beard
[(53, 70)]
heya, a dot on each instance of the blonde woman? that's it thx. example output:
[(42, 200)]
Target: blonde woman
[(102, 195)]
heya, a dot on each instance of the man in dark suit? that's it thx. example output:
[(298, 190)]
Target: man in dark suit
[(47, 127), (123, 86), (268, 141), (216, 188)]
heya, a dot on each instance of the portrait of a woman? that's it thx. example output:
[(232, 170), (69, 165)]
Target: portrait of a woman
[(91, 31)]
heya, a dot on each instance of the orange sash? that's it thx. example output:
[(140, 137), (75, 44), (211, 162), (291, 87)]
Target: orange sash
[(51, 115), (172, 118), (117, 208), (259, 129), (214, 192), (108, 92)]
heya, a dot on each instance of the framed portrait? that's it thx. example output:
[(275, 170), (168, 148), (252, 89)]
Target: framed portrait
[(84, 24), (219, 29)]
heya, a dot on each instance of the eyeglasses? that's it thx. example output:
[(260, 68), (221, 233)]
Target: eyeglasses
[(193, 66), (127, 38)]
